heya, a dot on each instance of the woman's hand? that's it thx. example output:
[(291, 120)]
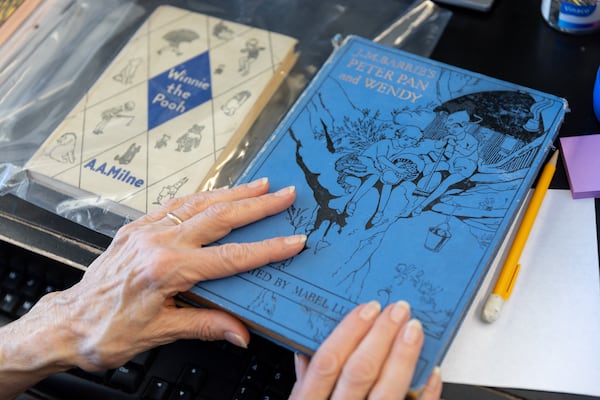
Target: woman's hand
[(370, 354), (124, 303)]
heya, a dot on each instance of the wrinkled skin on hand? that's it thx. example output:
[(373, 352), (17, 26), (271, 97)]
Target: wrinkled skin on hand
[(124, 303), (150, 260)]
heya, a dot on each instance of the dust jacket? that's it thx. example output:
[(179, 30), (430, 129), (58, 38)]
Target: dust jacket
[(409, 173), (184, 86)]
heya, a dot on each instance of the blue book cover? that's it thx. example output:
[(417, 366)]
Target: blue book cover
[(409, 173)]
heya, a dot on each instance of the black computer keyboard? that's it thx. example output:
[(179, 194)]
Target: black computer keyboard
[(186, 369)]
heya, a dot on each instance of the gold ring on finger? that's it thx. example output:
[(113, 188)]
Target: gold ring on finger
[(174, 218)]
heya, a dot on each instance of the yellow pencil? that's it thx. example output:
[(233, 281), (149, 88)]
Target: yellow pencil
[(510, 269)]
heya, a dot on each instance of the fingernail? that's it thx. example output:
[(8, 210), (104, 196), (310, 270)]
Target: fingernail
[(370, 310), (285, 190), (295, 239), (435, 379), (258, 182), (236, 340), (412, 331), (299, 366), (298, 359), (399, 311)]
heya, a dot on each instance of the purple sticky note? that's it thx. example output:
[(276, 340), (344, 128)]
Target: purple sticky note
[(581, 155)]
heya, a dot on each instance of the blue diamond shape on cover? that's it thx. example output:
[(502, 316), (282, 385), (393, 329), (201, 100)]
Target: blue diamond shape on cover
[(178, 90)]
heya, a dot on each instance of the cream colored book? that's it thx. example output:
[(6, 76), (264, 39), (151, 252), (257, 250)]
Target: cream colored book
[(184, 87)]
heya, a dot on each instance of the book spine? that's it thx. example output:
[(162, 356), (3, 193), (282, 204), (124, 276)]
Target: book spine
[(280, 130)]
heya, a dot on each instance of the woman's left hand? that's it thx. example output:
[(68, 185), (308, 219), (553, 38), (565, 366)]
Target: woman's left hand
[(125, 304)]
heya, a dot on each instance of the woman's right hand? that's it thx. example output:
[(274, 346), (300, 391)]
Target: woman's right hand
[(370, 354)]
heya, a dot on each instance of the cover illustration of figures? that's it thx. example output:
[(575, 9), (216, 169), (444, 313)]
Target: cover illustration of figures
[(154, 123), (408, 173)]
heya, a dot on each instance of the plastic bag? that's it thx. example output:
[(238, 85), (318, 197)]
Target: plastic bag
[(55, 57)]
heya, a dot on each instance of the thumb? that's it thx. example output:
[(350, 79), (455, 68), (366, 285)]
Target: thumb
[(207, 324)]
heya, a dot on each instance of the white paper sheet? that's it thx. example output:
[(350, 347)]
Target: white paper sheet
[(548, 334)]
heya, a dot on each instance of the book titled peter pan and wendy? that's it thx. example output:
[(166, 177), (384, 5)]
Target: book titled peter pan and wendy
[(408, 173)]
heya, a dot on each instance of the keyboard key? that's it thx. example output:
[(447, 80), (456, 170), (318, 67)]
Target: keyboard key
[(180, 393), (12, 280), (272, 394), (143, 359), (235, 351), (9, 302), (48, 289), (157, 389), (126, 378), (32, 288), (23, 308), (281, 380), (246, 392), (256, 373), (192, 376)]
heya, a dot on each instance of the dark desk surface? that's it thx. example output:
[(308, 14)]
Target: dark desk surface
[(511, 42)]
